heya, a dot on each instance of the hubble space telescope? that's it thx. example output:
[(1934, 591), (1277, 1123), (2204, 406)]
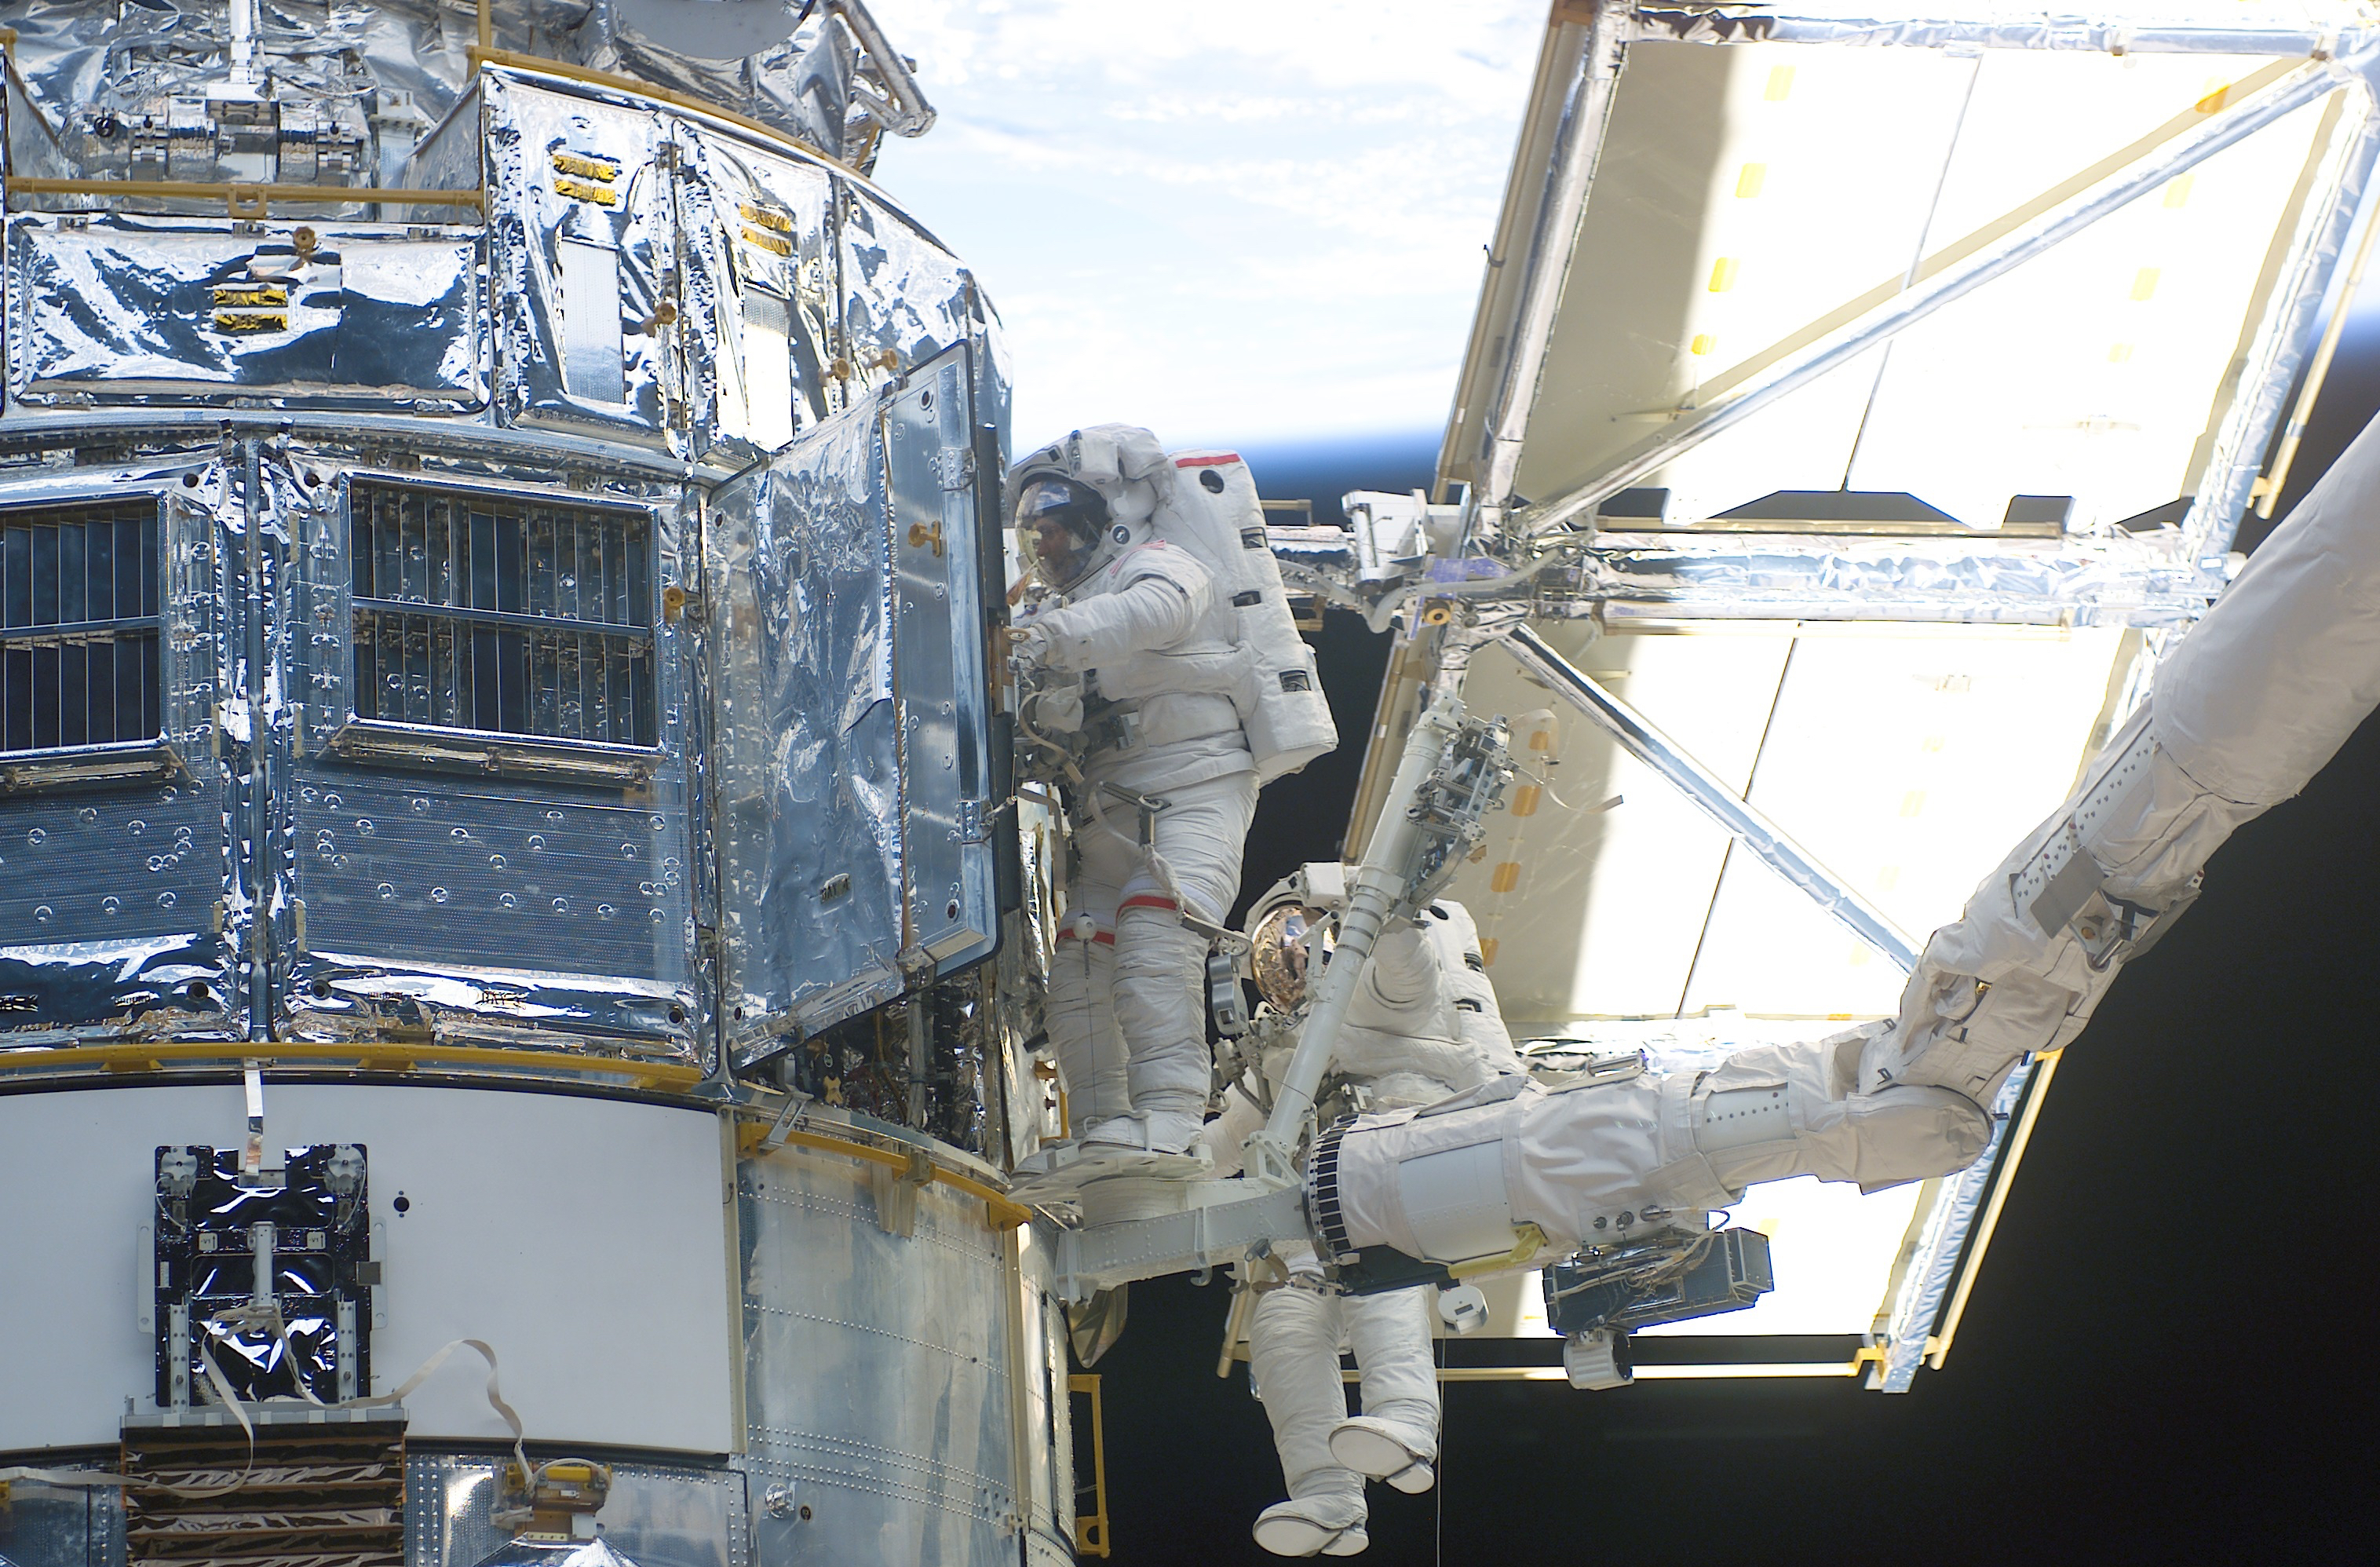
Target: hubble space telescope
[(502, 810), (522, 947)]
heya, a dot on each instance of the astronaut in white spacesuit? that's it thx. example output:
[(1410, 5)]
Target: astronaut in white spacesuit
[(1167, 787), (1424, 1025)]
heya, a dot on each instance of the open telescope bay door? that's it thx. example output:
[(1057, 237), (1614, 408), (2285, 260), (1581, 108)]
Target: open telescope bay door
[(851, 710)]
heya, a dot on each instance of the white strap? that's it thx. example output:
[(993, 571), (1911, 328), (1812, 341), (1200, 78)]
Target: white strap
[(422, 1373), (92, 1480)]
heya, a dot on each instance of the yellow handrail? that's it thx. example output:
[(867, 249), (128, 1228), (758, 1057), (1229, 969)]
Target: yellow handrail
[(1091, 1528), (376, 1055), (1527, 1241), (487, 55), (999, 1212), (247, 201)]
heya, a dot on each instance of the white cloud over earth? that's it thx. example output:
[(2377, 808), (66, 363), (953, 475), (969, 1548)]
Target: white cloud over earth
[(1229, 221)]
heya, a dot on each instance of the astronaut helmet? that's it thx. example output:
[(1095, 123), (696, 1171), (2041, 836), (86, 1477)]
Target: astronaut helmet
[(1064, 524), (1082, 501), (1294, 921)]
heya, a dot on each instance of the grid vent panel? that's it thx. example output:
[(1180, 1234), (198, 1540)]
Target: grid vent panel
[(472, 612), (79, 624)]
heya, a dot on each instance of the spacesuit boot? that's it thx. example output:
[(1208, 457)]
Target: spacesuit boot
[(1396, 1436), (1130, 1115), (1326, 1523), (1294, 1356), (1162, 1129)]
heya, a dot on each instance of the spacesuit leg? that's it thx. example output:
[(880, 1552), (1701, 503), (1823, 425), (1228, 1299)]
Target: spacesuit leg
[(1081, 1019), (1160, 963), (1294, 1355), (1396, 1436), (1081, 1016)]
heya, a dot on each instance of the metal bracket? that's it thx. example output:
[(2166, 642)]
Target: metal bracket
[(957, 464), (178, 1355), (1225, 1004), (145, 1299), (789, 1118), (896, 1191), (349, 1339), (253, 1152)]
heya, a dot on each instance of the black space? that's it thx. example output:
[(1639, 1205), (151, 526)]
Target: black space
[(2164, 1358)]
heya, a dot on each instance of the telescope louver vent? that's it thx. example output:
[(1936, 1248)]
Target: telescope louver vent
[(477, 614), (79, 620)]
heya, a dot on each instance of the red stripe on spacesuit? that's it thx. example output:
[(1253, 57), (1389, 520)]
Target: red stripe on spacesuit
[(1150, 900), (1227, 457)]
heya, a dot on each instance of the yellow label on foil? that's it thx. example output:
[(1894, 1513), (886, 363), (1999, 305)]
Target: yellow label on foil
[(767, 217), (774, 244), (579, 190), (587, 168), (251, 296), (245, 322)]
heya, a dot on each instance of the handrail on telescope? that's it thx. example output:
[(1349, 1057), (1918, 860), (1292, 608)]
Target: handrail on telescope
[(755, 1137), (1091, 1528), (246, 200), (488, 54), (398, 1056)]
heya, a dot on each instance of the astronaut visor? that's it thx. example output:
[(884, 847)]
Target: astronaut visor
[(1051, 498), (1279, 948)]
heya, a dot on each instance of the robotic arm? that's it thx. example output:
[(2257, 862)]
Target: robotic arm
[(1454, 770), (1621, 1168), (2259, 696)]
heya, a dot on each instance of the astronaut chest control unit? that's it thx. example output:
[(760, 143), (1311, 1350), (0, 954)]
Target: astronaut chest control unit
[(511, 990)]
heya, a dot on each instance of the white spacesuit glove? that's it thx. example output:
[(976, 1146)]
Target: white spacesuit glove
[(1056, 699), (1029, 645)]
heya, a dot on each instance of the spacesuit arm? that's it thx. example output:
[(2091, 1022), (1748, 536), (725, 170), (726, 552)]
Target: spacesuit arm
[(1482, 1025), (1463, 969), (2257, 698), (1158, 604), (1403, 974)]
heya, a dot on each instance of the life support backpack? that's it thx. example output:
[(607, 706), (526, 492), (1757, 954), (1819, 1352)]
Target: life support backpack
[(1212, 512)]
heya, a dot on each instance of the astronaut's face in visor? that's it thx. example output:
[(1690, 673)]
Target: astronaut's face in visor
[(1061, 518)]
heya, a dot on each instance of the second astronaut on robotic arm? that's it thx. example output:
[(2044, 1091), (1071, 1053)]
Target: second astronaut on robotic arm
[(1423, 1025)]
